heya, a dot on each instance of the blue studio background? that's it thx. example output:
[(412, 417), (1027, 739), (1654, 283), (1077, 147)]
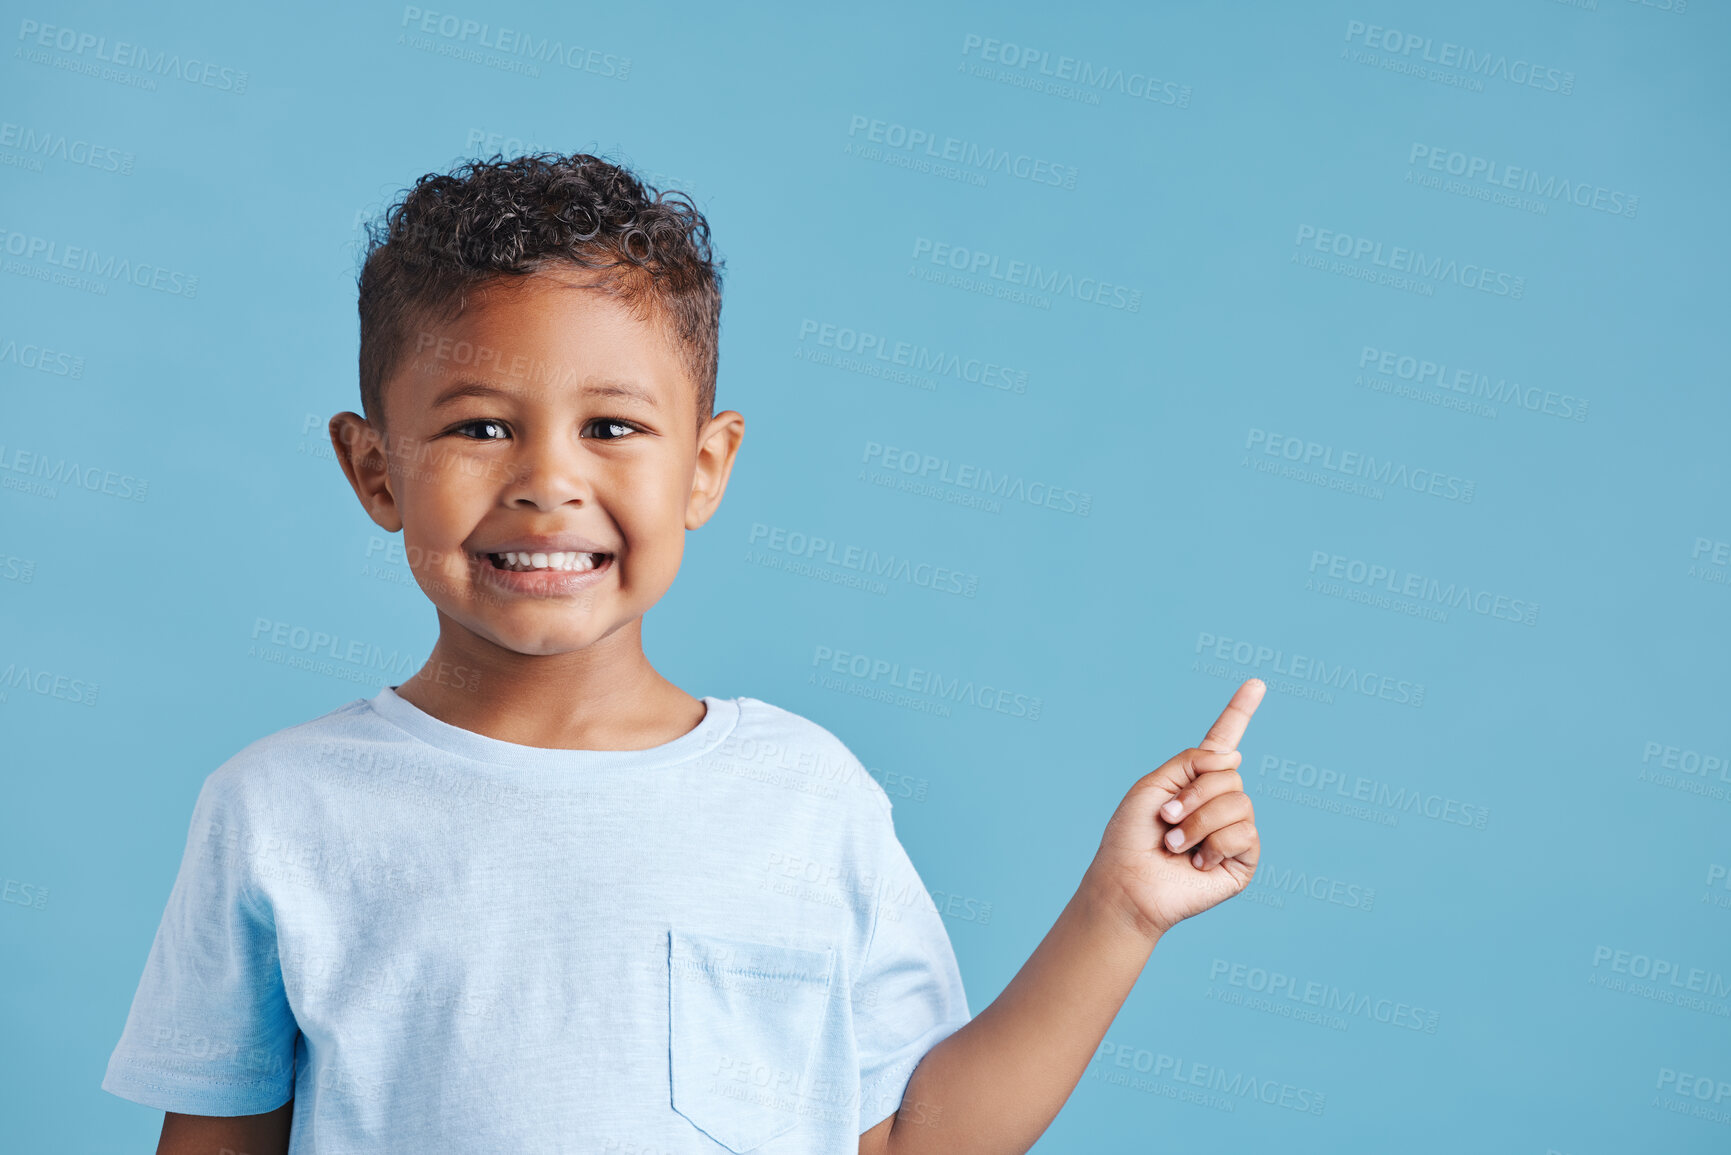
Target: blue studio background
[(1369, 348)]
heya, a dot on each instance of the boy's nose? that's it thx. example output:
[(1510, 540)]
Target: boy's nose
[(547, 474)]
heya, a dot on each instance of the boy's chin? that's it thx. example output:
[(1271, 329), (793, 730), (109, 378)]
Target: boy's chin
[(525, 640)]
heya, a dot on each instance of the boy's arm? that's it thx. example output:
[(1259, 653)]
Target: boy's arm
[(995, 1085), (266, 1134)]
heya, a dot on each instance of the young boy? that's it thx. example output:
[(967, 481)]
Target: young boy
[(537, 897)]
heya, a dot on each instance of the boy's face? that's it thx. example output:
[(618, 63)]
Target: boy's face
[(545, 421)]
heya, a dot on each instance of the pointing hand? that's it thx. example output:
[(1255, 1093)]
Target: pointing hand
[(1184, 838)]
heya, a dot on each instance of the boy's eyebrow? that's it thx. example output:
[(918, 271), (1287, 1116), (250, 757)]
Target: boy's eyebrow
[(468, 387), (621, 389)]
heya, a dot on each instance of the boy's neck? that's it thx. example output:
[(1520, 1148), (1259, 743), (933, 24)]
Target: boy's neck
[(606, 697)]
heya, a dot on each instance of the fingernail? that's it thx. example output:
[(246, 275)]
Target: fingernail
[(1174, 838), (1197, 859), (1172, 810)]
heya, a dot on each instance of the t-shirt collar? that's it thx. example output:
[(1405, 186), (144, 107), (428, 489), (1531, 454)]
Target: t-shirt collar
[(721, 715)]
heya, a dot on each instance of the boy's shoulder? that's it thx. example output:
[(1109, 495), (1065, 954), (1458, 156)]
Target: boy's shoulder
[(277, 758), (802, 753)]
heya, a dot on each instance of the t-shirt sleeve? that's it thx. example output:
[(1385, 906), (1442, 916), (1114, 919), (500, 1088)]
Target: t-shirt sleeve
[(210, 1031), (908, 995)]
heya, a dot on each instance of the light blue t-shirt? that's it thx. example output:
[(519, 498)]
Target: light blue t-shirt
[(434, 940)]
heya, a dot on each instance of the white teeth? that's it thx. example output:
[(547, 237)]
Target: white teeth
[(565, 560)]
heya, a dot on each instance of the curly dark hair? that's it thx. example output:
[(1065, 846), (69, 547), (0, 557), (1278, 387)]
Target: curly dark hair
[(494, 218)]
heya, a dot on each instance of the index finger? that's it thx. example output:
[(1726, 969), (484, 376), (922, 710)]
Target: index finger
[(1229, 727)]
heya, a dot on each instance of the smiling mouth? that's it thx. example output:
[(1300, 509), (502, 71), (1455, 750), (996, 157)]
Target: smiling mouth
[(567, 562)]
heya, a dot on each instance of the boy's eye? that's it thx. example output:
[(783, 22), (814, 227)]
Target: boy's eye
[(481, 423), (616, 430)]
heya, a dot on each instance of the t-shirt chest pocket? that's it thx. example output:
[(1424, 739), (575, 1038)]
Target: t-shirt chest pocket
[(744, 1018)]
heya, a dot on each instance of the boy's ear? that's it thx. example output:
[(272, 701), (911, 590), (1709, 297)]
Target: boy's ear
[(717, 446), (360, 451)]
